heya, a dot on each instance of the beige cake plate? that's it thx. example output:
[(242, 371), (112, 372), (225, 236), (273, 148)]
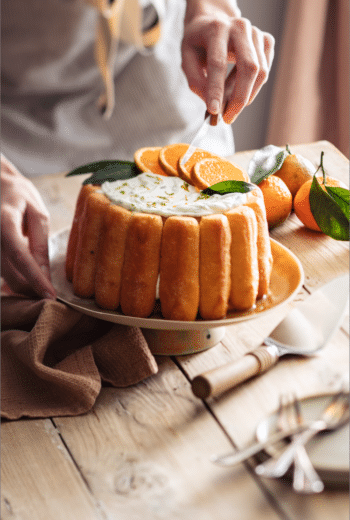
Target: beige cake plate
[(168, 337)]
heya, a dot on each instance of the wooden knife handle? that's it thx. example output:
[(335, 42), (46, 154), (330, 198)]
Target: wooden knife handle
[(214, 118), (218, 380)]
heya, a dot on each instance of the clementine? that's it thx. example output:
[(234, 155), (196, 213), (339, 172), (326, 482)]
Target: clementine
[(302, 203), (295, 171), (147, 160), (277, 199), (169, 156), (185, 170), (207, 172)]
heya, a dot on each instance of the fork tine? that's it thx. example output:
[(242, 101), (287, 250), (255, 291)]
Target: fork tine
[(297, 410), (289, 414)]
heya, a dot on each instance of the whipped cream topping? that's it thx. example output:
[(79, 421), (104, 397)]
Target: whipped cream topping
[(167, 196)]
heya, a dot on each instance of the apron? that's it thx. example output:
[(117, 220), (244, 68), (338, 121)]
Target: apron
[(60, 109)]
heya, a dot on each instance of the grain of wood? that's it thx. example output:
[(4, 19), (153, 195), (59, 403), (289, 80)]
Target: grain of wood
[(145, 453), (39, 479)]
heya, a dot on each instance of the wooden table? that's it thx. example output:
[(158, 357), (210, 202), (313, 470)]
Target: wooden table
[(143, 452)]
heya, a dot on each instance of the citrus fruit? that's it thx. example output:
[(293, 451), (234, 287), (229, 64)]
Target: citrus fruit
[(302, 203), (169, 157), (147, 160), (209, 171), (277, 199), (185, 170), (295, 171)]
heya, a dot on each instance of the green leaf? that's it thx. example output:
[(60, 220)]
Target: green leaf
[(94, 167), (224, 187), (329, 215), (111, 174), (265, 162), (342, 198), (106, 171)]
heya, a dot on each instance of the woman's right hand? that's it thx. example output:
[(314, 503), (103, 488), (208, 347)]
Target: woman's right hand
[(24, 235), (216, 35)]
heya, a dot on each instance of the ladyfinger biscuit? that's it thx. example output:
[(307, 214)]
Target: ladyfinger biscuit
[(87, 246), (264, 246), (214, 266), (179, 269), (244, 258), (110, 258), (141, 265), (86, 189)]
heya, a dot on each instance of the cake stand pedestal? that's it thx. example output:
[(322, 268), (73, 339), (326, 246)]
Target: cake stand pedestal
[(180, 342)]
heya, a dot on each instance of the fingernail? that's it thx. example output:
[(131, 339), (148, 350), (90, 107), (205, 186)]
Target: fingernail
[(214, 106), (230, 120)]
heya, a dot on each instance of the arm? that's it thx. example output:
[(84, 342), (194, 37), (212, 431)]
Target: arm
[(24, 235), (215, 35)]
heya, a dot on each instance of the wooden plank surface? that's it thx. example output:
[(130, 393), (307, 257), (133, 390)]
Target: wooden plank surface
[(38, 476), (143, 452)]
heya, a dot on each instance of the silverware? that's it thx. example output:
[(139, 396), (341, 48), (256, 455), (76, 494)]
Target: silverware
[(305, 477), (233, 458), (304, 331), (285, 429), (335, 415), (209, 120)]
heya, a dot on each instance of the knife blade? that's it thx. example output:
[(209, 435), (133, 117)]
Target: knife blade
[(209, 120)]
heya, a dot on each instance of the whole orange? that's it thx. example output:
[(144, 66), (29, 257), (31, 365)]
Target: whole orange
[(302, 203), (295, 171), (277, 199)]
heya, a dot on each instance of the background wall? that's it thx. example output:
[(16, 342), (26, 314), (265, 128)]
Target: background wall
[(251, 126)]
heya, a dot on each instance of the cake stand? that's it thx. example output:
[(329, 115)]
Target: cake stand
[(168, 337)]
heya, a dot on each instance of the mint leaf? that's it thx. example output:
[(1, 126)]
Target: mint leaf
[(224, 187), (329, 215)]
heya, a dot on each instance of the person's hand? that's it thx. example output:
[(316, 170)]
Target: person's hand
[(215, 35), (24, 235)]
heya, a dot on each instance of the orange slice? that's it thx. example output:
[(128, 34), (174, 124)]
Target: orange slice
[(147, 160), (185, 170), (169, 157), (207, 172)]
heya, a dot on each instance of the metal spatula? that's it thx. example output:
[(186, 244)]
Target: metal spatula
[(304, 331), (209, 120)]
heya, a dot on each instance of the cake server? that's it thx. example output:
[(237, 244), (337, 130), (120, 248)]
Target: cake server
[(209, 120), (305, 330)]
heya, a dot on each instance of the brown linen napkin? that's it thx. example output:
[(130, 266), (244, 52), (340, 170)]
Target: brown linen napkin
[(54, 358)]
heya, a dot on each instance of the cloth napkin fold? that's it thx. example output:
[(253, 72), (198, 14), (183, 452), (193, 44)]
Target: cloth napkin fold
[(54, 358)]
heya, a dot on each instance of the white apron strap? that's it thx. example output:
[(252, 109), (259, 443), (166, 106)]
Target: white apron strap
[(118, 20)]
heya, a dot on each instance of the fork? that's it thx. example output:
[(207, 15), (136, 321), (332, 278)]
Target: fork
[(335, 415), (305, 478)]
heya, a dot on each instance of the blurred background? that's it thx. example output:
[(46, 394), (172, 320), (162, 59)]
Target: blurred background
[(307, 96)]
